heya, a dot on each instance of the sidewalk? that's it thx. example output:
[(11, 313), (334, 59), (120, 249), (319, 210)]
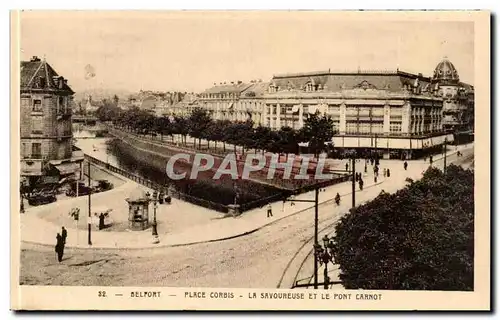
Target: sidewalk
[(37, 230), (415, 170)]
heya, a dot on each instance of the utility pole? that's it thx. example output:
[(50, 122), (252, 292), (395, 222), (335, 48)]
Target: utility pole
[(445, 143), (353, 181), (90, 211), (316, 200)]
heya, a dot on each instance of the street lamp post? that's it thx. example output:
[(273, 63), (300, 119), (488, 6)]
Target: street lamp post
[(89, 240), (324, 255), (445, 143), (353, 181), (316, 222), (155, 206)]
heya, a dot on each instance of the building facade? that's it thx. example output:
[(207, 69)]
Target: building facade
[(394, 113), (236, 101), (47, 152), (458, 101)]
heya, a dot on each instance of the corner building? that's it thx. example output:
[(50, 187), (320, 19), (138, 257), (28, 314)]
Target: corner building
[(236, 101), (394, 113), (47, 152), (458, 101)]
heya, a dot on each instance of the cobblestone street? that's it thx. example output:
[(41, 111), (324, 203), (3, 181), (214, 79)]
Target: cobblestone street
[(238, 262)]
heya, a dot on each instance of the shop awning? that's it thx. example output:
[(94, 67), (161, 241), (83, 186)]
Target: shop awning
[(67, 168)]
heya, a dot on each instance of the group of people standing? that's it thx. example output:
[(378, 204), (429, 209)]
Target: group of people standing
[(60, 243)]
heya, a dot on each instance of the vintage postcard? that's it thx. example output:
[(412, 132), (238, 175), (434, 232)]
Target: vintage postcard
[(250, 160)]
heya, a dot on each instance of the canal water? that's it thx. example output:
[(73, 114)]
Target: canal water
[(120, 155)]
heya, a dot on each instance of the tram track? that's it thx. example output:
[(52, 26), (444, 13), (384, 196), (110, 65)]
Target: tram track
[(466, 162)]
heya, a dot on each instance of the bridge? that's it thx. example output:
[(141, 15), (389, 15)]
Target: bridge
[(84, 119)]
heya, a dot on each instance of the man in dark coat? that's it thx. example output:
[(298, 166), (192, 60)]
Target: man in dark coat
[(64, 235), (59, 247), (405, 165), (101, 221)]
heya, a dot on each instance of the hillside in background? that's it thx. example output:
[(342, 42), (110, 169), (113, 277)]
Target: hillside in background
[(101, 93)]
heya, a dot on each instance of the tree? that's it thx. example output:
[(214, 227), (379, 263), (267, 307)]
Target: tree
[(317, 131), (181, 126), (262, 136), (199, 122), (289, 141), (420, 238), (108, 111)]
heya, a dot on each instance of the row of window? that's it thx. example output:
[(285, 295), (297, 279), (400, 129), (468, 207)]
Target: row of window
[(37, 105), (34, 150), (219, 95)]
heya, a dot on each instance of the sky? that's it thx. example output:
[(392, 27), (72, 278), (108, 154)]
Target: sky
[(183, 51)]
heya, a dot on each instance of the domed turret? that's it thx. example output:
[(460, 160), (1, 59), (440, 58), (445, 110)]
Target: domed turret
[(445, 73)]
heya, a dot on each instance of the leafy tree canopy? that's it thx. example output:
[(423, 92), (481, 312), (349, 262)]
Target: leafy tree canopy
[(420, 238)]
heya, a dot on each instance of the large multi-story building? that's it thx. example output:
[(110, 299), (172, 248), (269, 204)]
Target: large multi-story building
[(395, 113), (458, 101), (236, 101), (47, 152)]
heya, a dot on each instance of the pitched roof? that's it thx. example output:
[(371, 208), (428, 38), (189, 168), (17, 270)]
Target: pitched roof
[(336, 81), (228, 88), (37, 74), (256, 89)]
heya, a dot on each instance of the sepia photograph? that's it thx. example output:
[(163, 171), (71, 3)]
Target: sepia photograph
[(296, 160)]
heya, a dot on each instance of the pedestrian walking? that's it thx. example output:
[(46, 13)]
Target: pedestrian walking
[(64, 235), (269, 211), (361, 183), (347, 166), (366, 168), (430, 159), (388, 173), (337, 199), (405, 165), (375, 179), (385, 172), (59, 247)]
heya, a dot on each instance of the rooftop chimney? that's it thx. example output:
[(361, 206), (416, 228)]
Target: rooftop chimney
[(35, 59)]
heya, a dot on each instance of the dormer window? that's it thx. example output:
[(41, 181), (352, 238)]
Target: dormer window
[(272, 88), (311, 85)]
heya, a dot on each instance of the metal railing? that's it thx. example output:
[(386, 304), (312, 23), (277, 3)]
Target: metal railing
[(155, 186)]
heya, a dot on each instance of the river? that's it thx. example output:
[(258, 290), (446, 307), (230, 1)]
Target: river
[(117, 154)]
